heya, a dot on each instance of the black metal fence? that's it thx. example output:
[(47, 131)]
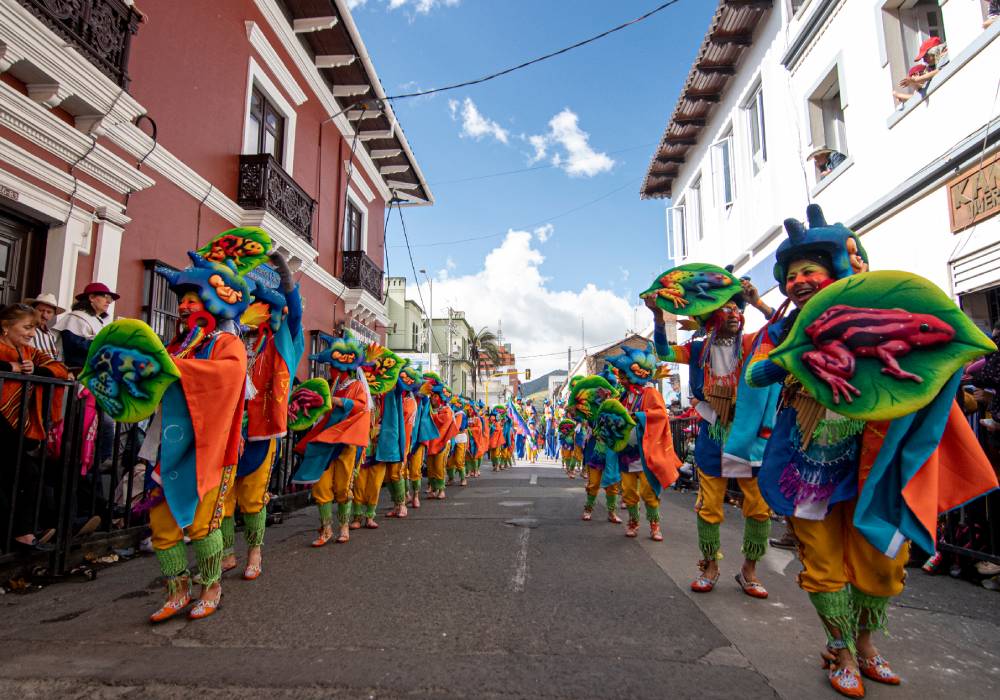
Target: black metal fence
[(85, 481)]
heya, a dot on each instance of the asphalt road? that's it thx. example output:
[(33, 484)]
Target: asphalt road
[(498, 592)]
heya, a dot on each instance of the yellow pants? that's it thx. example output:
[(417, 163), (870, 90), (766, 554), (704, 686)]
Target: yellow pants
[(369, 484), (435, 465), (396, 471), (594, 483), (250, 491), (712, 498), (338, 480), (457, 460), (416, 462), (634, 487), (834, 553), (207, 516)]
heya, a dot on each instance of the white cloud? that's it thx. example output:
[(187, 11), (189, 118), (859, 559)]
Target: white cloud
[(450, 263), (420, 6), (474, 124), (545, 232), (576, 157), (537, 319)]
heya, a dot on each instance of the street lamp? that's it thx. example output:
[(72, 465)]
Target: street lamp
[(430, 316)]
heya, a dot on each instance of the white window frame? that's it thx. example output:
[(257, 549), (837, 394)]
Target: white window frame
[(819, 98), (722, 156), (256, 77), (676, 233), (753, 108), (693, 213), (359, 204), (902, 33)]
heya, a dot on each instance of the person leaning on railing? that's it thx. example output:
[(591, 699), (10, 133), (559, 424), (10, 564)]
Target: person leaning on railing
[(18, 356)]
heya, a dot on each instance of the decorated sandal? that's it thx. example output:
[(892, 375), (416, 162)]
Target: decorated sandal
[(845, 680), (587, 515), (343, 538), (170, 608), (704, 584), (355, 525), (878, 669), (323, 538), (370, 524), (252, 572), (654, 532), (613, 518), (204, 608), (633, 528), (754, 589)]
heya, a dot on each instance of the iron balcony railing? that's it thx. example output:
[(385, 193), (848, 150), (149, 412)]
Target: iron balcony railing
[(99, 29), (361, 272), (264, 184)]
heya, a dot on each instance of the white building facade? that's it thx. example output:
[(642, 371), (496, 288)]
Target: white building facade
[(776, 81)]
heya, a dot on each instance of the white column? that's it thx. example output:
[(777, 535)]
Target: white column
[(62, 246), (107, 255)]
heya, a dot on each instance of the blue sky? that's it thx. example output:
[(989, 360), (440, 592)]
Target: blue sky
[(589, 120)]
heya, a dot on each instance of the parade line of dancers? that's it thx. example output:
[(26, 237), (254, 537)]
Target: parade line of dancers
[(838, 414)]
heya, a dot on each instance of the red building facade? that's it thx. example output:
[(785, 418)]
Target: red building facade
[(264, 113)]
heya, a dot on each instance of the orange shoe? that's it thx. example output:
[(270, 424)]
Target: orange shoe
[(632, 530), (170, 609), (613, 518), (754, 589), (587, 515), (323, 538), (654, 532), (704, 583), (846, 681), (878, 669), (204, 608), (371, 524)]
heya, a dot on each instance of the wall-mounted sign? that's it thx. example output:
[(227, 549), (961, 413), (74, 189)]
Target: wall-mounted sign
[(363, 332), (975, 194), (8, 193)]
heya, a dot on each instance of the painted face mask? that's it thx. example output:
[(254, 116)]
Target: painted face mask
[(345, 354), (635, 366), (224, 293), (410, 378)]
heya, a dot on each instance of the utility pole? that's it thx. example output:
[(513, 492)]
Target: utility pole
[(451, 379), (569, 363)]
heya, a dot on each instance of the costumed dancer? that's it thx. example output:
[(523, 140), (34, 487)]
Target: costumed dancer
[(586, 394), (388, 442), (332, 449), (551, 441), (424, 431), (496, 437), (275, 349), (521, 437), (735, 419), (194, 438), (409, 381), (479, 439), (447, 428), (567, 445), (460, 443), (856, 489), (648, 462)]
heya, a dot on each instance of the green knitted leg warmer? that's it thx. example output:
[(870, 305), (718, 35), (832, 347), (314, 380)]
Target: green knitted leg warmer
[(208, 553), (633, 513), (460, 473), (344, 512), (173, 561), (228, 530), (755, 534), (709, 541), (872, 611), (325, 514), (415, 486), (253, 527), (357, 510), (589, 505), (611, 501), (437, 484), (836, 610), (370, 511), (399, 492), (451, 474), (652, 513)]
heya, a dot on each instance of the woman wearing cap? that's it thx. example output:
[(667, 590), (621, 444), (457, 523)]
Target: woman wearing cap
[(84, 321)]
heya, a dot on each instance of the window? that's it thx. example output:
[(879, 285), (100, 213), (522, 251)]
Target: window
[(755, 129), (677, 242), (827, 125), (415, 331), (797, 5), (907, 24), (693, 210), (265, 129), (722, 169), (353, 227), (318, 342), (159, 307)]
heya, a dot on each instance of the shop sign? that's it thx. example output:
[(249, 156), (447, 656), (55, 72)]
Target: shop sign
[(974, 195), (363, 332), (8, 193)]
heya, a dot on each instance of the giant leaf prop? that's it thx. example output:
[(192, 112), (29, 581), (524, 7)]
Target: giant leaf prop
[(694, 289), (382, 367), (246, 246), (879, 345), (588, 393), (613, 425), (128, 370), (308, 403)]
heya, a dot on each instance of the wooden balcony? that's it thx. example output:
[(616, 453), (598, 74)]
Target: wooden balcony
[(264, 184), (361, 272), (101, 30)]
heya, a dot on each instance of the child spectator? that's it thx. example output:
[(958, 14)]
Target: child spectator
[(900, 96)]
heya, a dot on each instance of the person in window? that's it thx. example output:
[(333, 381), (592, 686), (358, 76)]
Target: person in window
[(19, 356), (84, 321), (906, 84), (46, 339), (826, 160), (933, 54), (992, 14)]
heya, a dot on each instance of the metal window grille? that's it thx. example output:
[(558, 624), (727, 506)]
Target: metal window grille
[(159, 307)]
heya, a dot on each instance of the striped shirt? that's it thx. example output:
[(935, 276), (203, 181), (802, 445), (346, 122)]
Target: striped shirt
[(47, 341)]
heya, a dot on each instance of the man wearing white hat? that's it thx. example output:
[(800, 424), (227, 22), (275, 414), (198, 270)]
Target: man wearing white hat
[(46, 339)]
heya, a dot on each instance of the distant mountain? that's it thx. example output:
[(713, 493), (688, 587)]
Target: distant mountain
[(541, 384)]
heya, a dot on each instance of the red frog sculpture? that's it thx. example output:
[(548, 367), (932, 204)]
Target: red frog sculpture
[(841, 334)]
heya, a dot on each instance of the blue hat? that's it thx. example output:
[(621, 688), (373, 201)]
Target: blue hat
[(835, 242)]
